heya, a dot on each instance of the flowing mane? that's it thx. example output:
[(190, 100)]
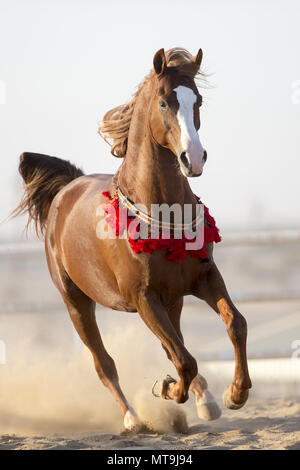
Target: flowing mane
[(115, 125)]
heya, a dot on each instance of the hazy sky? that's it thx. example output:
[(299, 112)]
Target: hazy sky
[(64, 63)]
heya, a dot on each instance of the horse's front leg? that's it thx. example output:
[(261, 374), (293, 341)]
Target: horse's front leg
[(213, 290), (157, 319), (207, 406)]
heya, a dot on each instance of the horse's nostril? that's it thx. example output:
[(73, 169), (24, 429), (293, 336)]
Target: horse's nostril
[(184, 160), (205, 155)]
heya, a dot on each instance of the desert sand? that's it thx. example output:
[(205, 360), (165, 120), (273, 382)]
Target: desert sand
[(263, 424)]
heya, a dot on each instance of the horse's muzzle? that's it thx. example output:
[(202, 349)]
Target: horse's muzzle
[(186, 166)]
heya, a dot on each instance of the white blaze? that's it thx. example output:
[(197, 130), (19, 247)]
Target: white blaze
[(190, 141)]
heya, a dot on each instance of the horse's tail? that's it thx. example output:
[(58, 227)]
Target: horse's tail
[(43, 178)]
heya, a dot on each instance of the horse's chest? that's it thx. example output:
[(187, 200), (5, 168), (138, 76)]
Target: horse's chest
[(177, 279)]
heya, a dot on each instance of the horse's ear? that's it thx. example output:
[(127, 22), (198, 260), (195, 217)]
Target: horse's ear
[(159, 62), (198, 58)]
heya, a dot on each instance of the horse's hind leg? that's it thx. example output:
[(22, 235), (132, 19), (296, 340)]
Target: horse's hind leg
[(215, 293), (82, 312), (207, 407)]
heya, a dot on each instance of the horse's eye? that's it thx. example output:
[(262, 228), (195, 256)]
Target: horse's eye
[(163, 104)]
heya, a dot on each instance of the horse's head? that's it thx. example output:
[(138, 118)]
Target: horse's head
[(175, 116)]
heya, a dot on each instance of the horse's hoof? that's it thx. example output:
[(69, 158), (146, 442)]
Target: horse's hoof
[(160, 389), (131, 421), (229, 403), (156, 389), (207, 407)]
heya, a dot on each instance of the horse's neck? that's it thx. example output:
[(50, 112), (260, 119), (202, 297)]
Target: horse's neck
[(150, 173)]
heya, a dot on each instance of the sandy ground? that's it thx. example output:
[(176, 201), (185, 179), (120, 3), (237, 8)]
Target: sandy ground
[(264, 424)]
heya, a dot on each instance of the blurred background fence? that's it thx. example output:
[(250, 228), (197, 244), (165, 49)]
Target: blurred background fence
[(257, 266)]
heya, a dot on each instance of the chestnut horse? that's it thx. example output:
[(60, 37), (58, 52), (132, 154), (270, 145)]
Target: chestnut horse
[(156, 133)]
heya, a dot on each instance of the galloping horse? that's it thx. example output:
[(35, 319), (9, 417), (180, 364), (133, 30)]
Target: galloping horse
[(156, 133)]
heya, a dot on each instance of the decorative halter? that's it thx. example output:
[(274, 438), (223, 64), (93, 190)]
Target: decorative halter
[(144, 217), (119, 218)]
